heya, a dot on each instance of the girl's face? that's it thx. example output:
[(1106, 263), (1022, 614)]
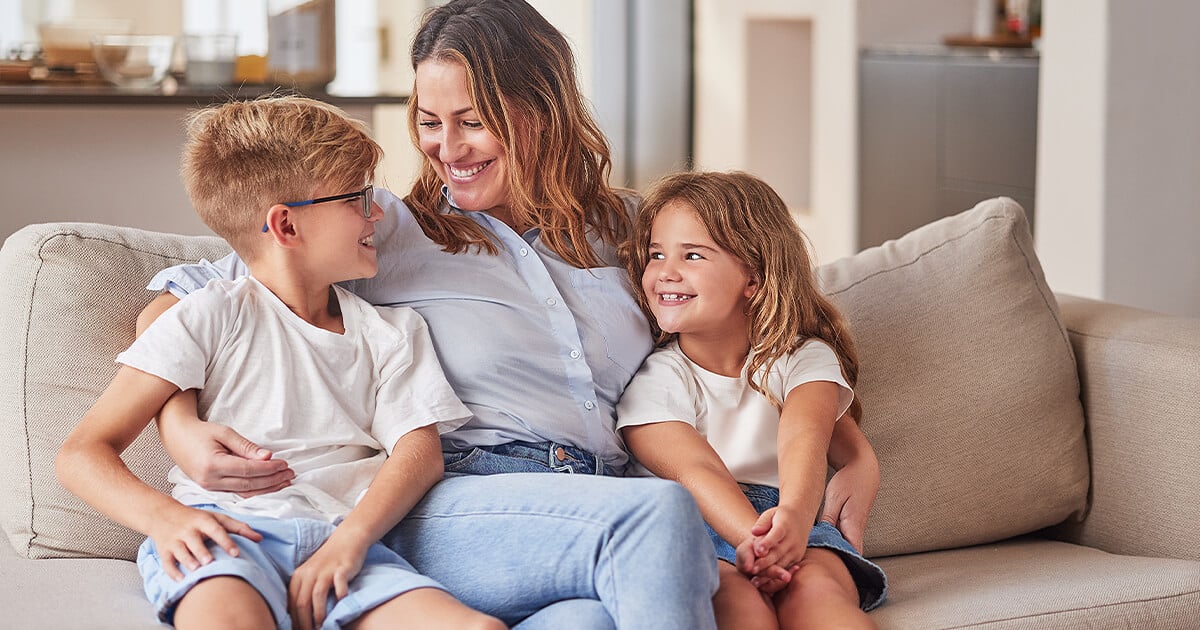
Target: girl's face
[(693, 286), (465, 155)]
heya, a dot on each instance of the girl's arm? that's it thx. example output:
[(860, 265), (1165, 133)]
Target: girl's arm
[(214, 456), (852, 490), (805, 429), (89, 465), (414, 465)]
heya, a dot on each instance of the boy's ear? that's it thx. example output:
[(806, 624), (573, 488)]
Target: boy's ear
[(281, 226)]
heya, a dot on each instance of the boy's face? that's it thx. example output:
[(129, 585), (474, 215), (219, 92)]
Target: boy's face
[(692, 285), (339, 239)]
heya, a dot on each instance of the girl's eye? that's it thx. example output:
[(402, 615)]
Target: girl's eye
[(692, 256), (656, 256)]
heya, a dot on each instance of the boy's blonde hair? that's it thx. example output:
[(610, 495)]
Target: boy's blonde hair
[(522, 83), (242, 157), (748, 219)]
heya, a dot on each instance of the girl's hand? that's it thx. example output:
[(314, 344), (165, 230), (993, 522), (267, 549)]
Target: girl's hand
[(181, 533), (780, 538), (332, 567), (770, 580), (849, 496)]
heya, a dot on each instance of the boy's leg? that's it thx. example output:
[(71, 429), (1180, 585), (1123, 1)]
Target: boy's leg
[(512, 544), (822, 594), (426, 608), (223, 603), (739, 604)]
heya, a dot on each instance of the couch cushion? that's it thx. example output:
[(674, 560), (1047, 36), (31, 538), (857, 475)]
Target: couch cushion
[(969, 387), (69, 295), (1032, 583)]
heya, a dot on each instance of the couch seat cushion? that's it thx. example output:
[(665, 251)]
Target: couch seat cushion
[(1035, 583)]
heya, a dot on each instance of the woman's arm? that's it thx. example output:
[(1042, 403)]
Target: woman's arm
[(852, 490), (214, 456)]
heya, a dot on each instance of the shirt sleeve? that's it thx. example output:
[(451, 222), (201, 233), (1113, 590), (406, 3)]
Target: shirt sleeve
[(180, 344), (662, 390), (413, 391), (815, 361), (181, 280)]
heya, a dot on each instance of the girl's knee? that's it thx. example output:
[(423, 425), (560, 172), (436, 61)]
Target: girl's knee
[(822, 575)]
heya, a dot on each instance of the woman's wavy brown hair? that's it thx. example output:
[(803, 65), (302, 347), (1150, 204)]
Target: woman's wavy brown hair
[(521, 78), (748, 219)]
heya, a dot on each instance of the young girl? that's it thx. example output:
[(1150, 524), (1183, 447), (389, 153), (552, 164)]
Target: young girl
[(753, 372)]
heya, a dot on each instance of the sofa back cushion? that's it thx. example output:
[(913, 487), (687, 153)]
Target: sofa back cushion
[(968, 383), (69, 295)]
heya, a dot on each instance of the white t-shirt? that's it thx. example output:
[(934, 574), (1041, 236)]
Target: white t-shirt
[(330, 405), (741, 424)]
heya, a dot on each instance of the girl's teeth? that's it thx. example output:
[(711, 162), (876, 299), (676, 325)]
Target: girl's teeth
[(675, 297)]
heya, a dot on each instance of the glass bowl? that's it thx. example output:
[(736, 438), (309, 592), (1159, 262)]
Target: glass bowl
[(134, 62)]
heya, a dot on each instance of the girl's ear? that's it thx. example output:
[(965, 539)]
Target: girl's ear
[(751, 289), (281, 227)]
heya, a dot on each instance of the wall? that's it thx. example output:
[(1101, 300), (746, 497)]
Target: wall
[(1118, 192)]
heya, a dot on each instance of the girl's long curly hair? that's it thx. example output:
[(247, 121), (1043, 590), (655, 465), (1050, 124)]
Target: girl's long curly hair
[(521, 78), (748, 219)]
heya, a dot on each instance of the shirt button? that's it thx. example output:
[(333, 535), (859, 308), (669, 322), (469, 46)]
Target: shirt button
[(589, 405), (551, 301), (574, 354), (524, 252)]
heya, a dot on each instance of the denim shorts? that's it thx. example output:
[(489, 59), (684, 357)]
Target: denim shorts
[(868, 577), (515, 457), (269, 564)]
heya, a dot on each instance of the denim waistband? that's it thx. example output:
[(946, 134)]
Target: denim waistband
[(555, 456)]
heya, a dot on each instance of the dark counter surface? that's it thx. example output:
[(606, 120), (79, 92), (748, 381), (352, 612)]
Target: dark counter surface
[(40, 93)]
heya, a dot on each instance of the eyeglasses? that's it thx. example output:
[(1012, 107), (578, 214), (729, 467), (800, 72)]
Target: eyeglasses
[(364, 194)]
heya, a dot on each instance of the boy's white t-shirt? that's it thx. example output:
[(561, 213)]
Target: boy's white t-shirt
[(741, 424), (330, 405)]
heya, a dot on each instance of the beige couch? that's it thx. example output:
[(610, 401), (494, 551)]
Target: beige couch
[(1037, 452)]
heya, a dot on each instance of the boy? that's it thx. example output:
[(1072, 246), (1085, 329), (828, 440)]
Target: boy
[(300, 366)]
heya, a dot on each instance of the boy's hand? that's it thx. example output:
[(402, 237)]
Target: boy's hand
[(332, 567), (181, 533)]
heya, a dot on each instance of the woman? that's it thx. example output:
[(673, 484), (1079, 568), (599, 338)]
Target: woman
[(506, 246)]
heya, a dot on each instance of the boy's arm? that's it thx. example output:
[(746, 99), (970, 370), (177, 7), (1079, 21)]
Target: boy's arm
[(415, 464), (805, 429), (852, 490), (89, 465)]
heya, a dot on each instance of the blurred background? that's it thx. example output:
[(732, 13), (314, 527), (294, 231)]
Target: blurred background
[(871, 117)]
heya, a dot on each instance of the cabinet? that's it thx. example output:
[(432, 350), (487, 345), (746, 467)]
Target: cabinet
[(941, 129)]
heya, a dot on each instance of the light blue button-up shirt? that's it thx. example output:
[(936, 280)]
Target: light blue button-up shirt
[(538, 350)]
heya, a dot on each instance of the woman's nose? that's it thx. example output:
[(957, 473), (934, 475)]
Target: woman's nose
[(451, 149)]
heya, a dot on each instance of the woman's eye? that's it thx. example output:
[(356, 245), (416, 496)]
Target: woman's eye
[(472, 124), (429, 124)]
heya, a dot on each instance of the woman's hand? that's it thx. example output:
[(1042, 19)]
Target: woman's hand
[(850, 494), (215, 456)]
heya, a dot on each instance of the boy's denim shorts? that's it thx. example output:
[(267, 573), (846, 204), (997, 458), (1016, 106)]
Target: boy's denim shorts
[(868, 577), (268, 565)]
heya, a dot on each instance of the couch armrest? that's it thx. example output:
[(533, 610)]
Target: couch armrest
[(1140, 383)]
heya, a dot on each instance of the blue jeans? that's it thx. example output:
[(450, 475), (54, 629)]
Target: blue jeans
[(511, 545), (513, 457)]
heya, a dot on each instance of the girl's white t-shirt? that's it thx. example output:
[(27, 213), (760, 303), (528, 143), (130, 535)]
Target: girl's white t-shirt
[(741, 424)]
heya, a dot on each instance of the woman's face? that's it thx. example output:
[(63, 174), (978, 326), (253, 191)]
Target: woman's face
[(465, 155)]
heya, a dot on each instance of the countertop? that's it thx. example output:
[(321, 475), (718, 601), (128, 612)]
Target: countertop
[(95, 94)]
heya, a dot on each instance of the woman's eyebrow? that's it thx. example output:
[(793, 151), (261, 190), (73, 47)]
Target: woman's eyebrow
[(459, 112)]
